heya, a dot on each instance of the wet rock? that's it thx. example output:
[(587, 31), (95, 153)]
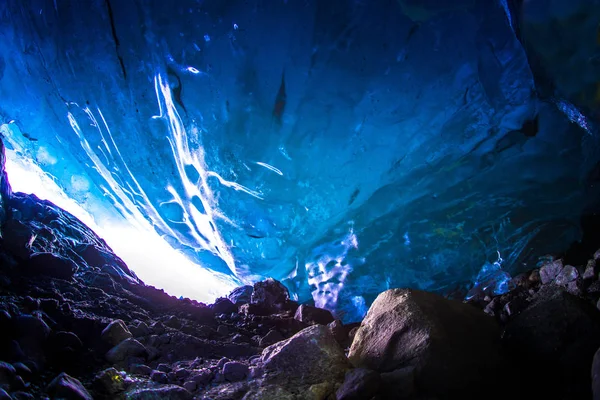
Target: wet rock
[(407, 327), (549, 271), (109, 382), (270, 338), (127, 348), (313, 315), (241, 295), (235, 371), (51, 265), (359, 383), (165, 392), (67, 387), (115, 333), (309, 357), (553, 341)]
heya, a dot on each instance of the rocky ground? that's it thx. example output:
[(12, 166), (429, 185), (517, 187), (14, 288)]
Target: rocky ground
[(76, 323)]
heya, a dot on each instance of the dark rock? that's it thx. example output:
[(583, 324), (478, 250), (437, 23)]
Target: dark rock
[(549, 271), (223, 306), (159, 376), (313, 315), (67, 387), (596, 376), (52, 265), (359, 384), (115, 333), (190, 386), (590, 270), (270, 338), (4, 395), (7, 375), (127, 348), (339, 332), (270, 294), (400, 384), (553, 341), (173, 322), (17, 238), (19, 395), (407, 327), (235, 371), (165, 392), (63, 340), (30, 326), (140, 330), (109, 382), (223, 330), (201, 377), (182, 373), (164, 368), (241, 295), (140, 369)]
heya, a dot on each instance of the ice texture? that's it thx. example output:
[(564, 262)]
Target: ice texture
[(341, 146)]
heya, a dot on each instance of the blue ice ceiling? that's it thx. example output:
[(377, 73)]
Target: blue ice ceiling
[(341, 146)]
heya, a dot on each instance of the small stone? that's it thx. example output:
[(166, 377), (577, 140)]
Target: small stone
[(157, 328), (550, 271), (22, 396), (270, 338), (63, 340), (360, 383), (22, 369), (597, 254), (270, 293), (189, 385), (235, 371), (238, 338), (110, 382), (159, 376), (590, 270), (32, 327), (115, 333), (338, 331), (65, 386), (313, 315), (140, 369), (127, 348), (566, 275)]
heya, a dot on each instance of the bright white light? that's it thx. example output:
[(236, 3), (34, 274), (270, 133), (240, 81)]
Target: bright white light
[(145, 252)]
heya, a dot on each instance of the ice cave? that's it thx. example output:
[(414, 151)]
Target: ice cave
[(334, 149)]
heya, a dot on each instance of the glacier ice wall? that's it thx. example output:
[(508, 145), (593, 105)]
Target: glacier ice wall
[(341, 146)]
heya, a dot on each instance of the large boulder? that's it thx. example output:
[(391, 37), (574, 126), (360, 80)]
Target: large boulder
[(453, 347), (312, 356), (553, 341)]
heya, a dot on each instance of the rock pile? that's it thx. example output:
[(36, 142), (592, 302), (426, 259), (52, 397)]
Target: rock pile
[(75, 323)]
